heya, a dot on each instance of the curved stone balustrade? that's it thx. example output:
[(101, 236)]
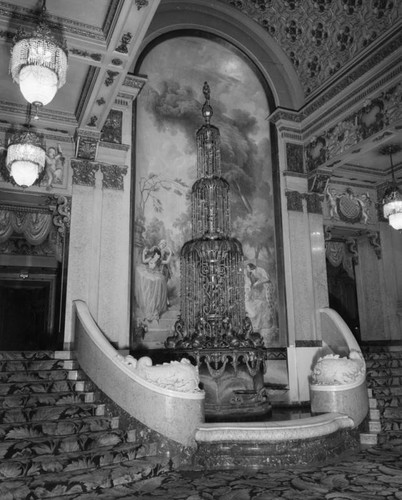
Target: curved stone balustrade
[(172, 413), (338, 380)]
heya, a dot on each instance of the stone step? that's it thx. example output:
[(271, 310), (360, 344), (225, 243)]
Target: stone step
[(392, 390), (375, 364), (392, 413), (40, 375), (374, 414), (389, 401), (390, 436), (374, 381), (87, 479), (47, 399), (21, 365), (43, 387), (384, 372), (69, 461), (374, 426), (22, 416), (26, 355), (33, 447), (368, 438), (390, 350), (58, 428)]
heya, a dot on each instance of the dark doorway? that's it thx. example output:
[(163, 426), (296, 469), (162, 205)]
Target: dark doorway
[(28, 308), (343, 297)]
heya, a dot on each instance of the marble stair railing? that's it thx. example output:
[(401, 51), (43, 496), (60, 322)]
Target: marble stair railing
[(384, 379), (55, 437), (171, 413)]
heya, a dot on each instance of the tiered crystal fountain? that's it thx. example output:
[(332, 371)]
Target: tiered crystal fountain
[(213, 329)]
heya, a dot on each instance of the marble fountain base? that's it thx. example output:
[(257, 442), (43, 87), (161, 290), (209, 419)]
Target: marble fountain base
[(259, 445)]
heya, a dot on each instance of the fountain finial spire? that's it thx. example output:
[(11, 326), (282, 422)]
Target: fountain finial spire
[(207, 110)]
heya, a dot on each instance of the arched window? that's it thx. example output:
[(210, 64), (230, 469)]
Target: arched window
[(168, 113)]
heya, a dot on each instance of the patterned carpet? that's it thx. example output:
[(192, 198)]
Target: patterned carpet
[(56, 442), (371, 474)]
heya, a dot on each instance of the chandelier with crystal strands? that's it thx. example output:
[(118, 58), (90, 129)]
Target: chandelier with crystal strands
[(39, 62), (25, 157), (392, 200)]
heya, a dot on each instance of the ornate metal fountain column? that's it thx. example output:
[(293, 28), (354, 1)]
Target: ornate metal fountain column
[(213, 328)]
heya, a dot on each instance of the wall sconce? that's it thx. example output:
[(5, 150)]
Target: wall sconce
[(26, 157), (392, 199), (39, 62)]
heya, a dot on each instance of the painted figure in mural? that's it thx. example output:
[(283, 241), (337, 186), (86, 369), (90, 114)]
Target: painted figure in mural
[(260, 295), (54, 165), (151, 282)]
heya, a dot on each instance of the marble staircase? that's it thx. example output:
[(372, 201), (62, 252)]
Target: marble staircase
[(57, 439), (384, 381)]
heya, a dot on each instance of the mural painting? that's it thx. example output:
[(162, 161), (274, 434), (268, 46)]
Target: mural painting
[(168, 116)]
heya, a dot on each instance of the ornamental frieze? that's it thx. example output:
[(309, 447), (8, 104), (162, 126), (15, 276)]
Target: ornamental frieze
[(374, 115)]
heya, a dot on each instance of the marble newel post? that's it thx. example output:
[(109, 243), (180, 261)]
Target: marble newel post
[(99, 245), (305, 271)]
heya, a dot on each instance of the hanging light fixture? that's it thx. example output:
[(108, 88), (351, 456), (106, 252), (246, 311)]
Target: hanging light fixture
[(26, 156), (392, 200), (39, 62)]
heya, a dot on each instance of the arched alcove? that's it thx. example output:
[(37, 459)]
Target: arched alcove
[(170, 107), (231, 25)]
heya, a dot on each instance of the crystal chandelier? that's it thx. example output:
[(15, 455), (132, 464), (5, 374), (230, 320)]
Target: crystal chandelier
[(392, 200), (25, 157), (39, 62)]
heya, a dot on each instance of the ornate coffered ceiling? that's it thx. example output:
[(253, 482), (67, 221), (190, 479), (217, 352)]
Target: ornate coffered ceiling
[(323, 37)]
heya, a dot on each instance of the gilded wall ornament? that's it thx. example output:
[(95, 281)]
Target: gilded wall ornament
[(348, 206), (125, 40), (375, 241), (84, 172), (111, 75)]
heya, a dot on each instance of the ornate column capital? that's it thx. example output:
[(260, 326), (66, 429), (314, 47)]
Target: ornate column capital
[(314, 203), (84, 172), (113, 176), (294, 201)]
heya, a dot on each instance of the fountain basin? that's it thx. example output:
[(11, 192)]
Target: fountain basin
[(274, 444)]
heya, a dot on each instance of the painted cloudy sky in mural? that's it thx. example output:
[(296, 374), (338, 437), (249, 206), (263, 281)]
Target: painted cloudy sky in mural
[(169, 113)]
